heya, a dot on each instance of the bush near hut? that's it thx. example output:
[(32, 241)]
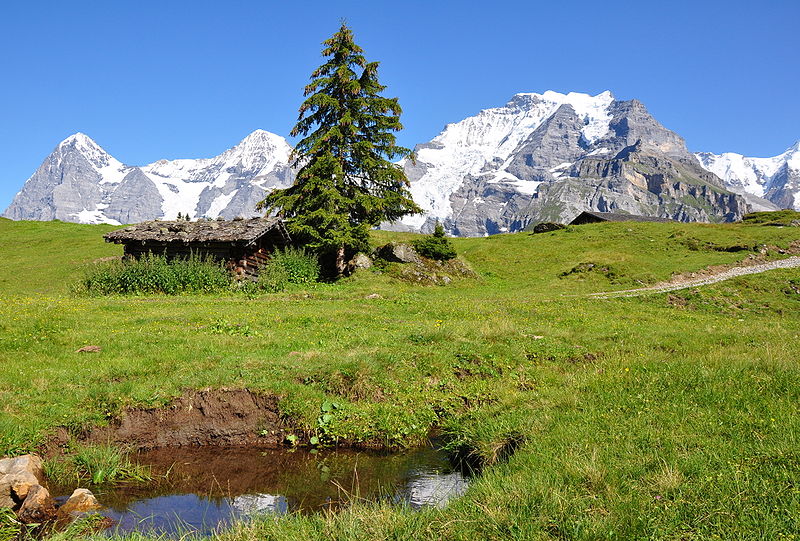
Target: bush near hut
[(301, 267), (155, 274), (288, 266)]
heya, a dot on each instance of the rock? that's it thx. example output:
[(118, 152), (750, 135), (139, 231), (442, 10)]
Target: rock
[(795, 223), (81, 501), (399, 252), (359, 261), (546, 227), (16, 486), (373, 296), (38, 506), (89, 349), (17, 476), (25, 463)]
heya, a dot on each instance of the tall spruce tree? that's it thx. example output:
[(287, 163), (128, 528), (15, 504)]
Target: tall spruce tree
[(346, 183)]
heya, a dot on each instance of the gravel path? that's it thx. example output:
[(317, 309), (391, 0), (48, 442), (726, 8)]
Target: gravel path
[(788, 263)]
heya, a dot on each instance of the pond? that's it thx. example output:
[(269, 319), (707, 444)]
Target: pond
[(204, 489)]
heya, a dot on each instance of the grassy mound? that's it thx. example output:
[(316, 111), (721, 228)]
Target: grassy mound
[(776, 217)]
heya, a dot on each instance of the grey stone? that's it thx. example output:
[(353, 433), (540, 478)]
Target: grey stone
[(359, 261), (637, 166), (546, 227), (399, 252)]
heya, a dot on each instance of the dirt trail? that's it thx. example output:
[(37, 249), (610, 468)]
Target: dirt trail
[(684, 282)]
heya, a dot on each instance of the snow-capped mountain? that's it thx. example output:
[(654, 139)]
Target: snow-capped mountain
[(540, 157), (81, 182), (547, 157), (776, 179)]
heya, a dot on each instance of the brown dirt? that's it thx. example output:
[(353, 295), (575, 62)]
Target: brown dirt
[(207, 417)]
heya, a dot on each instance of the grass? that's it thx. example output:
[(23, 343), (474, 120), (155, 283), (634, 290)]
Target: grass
[(96, 464), (670, 416), (777, 217)]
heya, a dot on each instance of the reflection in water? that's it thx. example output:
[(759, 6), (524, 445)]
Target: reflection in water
[(207, 489), (251, 504), (434, 489)]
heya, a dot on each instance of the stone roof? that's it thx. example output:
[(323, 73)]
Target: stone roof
[(238, 230), (618, 217)]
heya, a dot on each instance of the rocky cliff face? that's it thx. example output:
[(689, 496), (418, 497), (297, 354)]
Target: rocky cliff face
[(637, 180), (547, 157), (81, 182)]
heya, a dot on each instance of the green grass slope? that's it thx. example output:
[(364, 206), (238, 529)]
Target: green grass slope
[(671, 416)]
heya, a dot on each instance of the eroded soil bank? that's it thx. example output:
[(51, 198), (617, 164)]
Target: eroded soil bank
[(227, 417)]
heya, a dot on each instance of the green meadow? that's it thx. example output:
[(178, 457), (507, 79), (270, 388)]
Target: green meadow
[(667, 416)]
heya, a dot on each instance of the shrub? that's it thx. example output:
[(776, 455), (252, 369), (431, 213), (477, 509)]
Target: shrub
[(435, 246), (154, 274), (290, 266)]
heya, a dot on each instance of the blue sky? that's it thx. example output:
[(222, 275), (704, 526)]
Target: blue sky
[(172, 79)]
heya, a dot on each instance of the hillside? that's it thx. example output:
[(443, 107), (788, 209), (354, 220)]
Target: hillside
[(668, 416)]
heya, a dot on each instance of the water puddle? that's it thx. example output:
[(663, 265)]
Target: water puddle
[(205, 489)]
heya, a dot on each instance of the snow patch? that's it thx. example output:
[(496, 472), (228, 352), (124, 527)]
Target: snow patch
[(219, 204), (93, 217)]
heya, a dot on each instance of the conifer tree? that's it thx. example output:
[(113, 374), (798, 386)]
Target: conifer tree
[(346, 182)]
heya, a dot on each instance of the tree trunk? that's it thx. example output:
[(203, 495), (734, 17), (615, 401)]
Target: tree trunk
[(340, 265)]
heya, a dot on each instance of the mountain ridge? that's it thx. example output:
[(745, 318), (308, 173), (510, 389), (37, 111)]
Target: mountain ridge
[(541, 156), (79, 181)]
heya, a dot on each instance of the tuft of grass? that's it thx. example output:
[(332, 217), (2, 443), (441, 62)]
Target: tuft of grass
[(97, 464), (10, 527)]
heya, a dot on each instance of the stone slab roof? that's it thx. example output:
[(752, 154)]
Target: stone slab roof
[(239, 231)]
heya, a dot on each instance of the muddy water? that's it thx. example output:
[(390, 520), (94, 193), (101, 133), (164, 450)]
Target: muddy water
[(205, 489)]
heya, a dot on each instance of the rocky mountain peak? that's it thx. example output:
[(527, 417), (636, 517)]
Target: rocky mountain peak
[(86, 146), (258, 150)]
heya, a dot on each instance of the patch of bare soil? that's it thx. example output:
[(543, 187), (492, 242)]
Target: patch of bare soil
[(208, 417)]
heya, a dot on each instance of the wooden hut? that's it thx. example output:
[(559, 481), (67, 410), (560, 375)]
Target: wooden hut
[(592, 217), (245, 244)]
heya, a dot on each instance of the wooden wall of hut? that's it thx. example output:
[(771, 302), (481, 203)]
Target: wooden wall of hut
[(242, 261)]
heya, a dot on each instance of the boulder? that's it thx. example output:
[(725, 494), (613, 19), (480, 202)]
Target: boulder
[(359, 261), (29, 463), (38, 506), (399, 252), (17, 476), (545, 227), (81, 501)]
